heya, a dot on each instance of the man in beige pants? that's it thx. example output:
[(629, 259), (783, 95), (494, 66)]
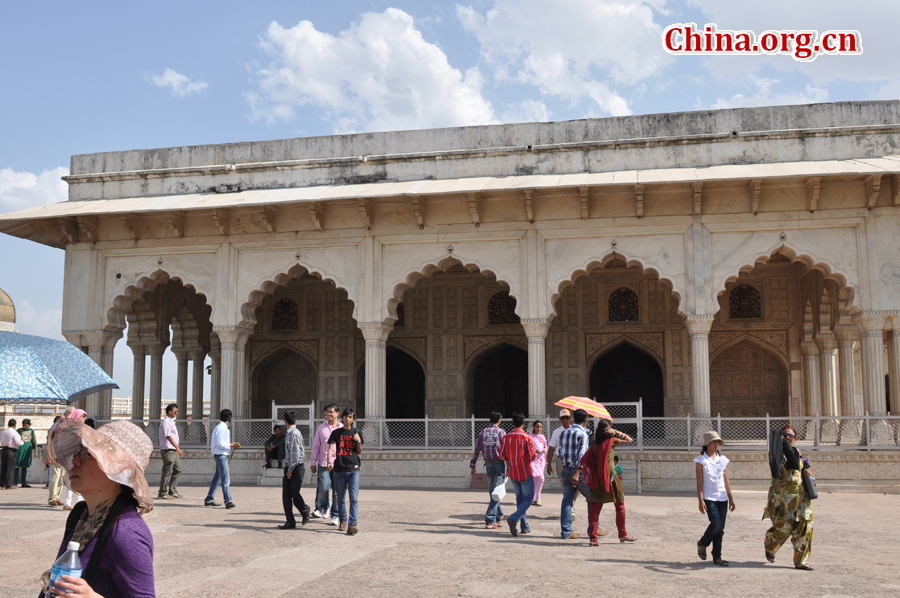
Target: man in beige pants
[(55, 479)]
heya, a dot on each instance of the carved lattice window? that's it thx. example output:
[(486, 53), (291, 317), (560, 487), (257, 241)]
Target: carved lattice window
[(401, 315), (744, 303), (623, 305), (502, 309), (285, 315)]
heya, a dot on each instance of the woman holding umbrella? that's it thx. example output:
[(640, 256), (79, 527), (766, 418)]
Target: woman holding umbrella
[(789, 505), (598, 466)]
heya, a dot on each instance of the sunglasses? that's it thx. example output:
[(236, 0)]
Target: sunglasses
[(786, 435), (565, 417), (82, 454)]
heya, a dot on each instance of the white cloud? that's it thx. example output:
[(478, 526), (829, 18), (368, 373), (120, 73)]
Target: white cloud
[(891, 91), (765, 97), (39, 322), (380, 74), (180, 85), (526, 111), (20, 190), (572, 49)]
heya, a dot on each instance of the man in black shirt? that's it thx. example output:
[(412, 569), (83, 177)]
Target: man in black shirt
[(275, 447), (345, 445)]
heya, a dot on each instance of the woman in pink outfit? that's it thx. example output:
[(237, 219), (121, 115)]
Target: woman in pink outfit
[(540, 460)]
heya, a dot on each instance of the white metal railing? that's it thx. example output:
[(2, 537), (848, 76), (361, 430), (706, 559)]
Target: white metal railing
[(868, 432)]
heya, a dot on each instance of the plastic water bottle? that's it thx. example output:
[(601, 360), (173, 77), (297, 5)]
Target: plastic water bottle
[(68, 564)]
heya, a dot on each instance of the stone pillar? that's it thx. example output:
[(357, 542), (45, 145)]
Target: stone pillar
[(827, 346), (92, 404), (232, 340), (846, 335), (215, 385), (811, 377), (181, 382), (894, 367), (376, 335), (871, 327), (138, 387), (698, 327), (104, 410), (197, 358), (155, 351), (536, 330)]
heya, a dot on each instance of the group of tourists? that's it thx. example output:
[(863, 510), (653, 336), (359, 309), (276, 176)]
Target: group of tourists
[(105, 466), (19, 447), (587, 465)]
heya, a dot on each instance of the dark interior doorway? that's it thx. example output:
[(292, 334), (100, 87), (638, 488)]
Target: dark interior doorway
[(625, 374), (501, 382), (285, 377), (404, 386)]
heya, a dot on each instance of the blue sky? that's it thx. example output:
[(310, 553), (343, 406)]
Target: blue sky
[(105, 76)]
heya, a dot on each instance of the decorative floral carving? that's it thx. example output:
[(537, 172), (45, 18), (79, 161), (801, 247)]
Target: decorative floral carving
[(651, 341), (777, 339), (259, 349), (744, 303), (474, 343), (285, 315), (413, 345), (623, 305), (502, 309)]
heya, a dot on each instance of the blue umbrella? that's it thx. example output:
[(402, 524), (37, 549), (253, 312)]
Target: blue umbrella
[(34, 369)]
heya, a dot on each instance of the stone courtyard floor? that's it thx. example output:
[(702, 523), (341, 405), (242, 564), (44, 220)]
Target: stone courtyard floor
[(432, 543)]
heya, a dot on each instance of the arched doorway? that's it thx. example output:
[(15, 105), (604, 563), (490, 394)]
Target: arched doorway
[(286, 377), (404, 386), (500, 382), (746, 381), (625, 374)]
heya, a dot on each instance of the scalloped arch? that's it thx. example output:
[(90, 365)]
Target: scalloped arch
[(425, 270), (600, 262), (267, 284), (262, 358), (116, 313), (472, 361), (795, 254), (773, 351), (597, 355)]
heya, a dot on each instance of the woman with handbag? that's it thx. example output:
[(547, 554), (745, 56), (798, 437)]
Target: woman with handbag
[(106, 466), (599, 469), (789, 505)]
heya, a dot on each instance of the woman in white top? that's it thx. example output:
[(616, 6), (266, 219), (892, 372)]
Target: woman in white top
[(714, 493)]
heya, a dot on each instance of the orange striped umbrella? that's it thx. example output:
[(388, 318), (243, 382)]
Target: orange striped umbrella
[(592, 407)]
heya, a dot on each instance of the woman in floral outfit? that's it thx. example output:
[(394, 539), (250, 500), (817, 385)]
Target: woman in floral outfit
[(789, 506)]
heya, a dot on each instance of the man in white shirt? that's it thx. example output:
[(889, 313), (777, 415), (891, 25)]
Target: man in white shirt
[(11, 441), (171, 455), (319, 465), (220, 444)]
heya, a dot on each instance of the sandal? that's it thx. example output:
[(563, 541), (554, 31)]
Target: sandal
[(720, 562), (491, 526), (770, 557), (594, 543), (701, 551), (624, 539), (806, 567)]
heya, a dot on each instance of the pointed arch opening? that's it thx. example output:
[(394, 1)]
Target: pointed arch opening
[(404, 385), (286, 377), (626, 373), (499, 381)]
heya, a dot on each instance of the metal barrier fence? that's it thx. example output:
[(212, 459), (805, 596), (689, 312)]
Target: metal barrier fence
[(650, 433)]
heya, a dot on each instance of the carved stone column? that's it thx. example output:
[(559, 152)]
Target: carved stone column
[(846, 335), (376, 335), (138, 386), (100, 345), (827, 346), (698, 327), (233, 341), (811, 377), (154, 410), (536, 330), (197, 358), (181, 356), (215, 358), (871, 326), (894, 366), (92, 404)]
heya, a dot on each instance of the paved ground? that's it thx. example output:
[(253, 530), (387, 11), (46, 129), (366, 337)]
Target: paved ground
[(432, 543)]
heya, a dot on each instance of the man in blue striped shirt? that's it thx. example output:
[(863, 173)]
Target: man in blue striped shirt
[(573, 444)]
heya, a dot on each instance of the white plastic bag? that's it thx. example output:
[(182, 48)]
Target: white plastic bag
[(499, 491)]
